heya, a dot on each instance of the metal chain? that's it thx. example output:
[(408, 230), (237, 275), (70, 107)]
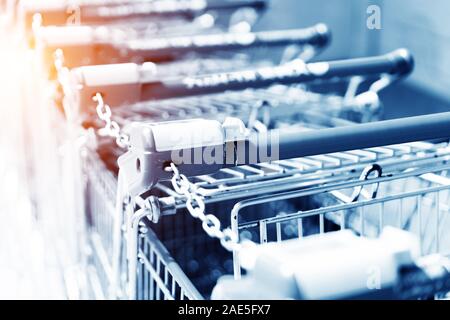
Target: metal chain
[(196, 207), (111, 128)]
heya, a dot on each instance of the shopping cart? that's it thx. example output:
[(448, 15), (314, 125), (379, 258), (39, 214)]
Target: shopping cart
[(100, 165), (327, 193), (288, 106), (99, 257), (156, 148), (84, 45)]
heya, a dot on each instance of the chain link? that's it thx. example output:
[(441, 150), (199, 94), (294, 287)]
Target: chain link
[(196, 207), (111, 128)]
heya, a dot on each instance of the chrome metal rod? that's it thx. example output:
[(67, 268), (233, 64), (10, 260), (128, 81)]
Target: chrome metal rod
[(399, 62), (152, 151), (101, 12), (156, 49), (295, 143)]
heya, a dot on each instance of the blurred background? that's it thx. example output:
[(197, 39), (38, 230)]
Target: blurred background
[(419, 25), (28, 263)]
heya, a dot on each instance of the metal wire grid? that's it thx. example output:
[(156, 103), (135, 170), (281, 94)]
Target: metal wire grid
[(277, 101), (413, 198), (100, 195), (300, 173), (160, 276)]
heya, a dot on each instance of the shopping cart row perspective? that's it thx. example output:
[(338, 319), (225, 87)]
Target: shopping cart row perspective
[(238, 178), (195, 148), (134, 258), (126, 244)]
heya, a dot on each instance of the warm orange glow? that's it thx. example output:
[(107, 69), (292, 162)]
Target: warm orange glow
[(25, 272)]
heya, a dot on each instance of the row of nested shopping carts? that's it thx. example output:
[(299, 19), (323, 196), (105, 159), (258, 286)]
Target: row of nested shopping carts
[(191, 157)]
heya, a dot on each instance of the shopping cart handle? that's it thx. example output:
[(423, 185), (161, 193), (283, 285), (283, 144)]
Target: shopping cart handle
[(79, 43), (58, 13), (200, 147), (130, 83), (294, 143), (399, 62), (158, 49)]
